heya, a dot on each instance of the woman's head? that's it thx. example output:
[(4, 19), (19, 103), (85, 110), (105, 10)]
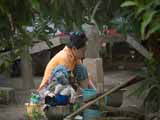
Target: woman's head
[(77, 43)]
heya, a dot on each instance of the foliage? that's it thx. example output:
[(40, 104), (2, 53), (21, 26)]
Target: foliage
[(7, 64), (150, 86), (124, 25), (36, 115), (147, 12), (17, 15)]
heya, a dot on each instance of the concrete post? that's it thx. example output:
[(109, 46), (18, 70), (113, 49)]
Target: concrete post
[(95, 68)]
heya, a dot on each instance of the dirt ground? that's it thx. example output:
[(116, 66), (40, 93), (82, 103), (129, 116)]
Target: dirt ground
[(112, 78), (12, 112)]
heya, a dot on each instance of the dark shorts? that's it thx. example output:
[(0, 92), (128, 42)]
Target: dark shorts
[(80, 72)]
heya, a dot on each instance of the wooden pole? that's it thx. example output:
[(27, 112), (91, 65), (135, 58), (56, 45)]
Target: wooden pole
[(108, 92)]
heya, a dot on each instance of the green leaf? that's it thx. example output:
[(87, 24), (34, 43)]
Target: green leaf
[(128, 3), (140, 9), (51, 1), (147, 18), (49, 43), (155, 27), (35, 4)]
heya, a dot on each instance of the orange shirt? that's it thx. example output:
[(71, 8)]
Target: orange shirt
[(64, 57)]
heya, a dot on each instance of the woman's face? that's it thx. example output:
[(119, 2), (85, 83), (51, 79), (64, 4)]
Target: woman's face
[(80, 53)]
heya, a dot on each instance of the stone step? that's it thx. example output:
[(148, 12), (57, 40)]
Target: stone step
[(7, 95), (23, 96)]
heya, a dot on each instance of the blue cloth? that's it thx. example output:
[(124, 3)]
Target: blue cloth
[(62, 99), (61, 74)]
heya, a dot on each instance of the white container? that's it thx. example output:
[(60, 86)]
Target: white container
[(78, 117)]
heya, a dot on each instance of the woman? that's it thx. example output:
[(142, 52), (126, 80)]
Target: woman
[(71, 57)]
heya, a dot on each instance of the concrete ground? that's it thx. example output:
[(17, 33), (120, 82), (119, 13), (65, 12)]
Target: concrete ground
[(12, 112), (111, 78), (114, 78)]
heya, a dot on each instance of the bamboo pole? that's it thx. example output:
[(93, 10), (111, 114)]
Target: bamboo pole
[(132, 80)]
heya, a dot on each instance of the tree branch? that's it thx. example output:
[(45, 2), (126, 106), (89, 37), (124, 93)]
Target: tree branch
[(95, 9)]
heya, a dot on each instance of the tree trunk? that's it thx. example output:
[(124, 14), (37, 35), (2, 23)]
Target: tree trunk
[(26, 70)]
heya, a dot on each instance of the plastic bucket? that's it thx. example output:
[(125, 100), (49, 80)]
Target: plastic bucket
[(88, 93), (91, 114), (115, 99), (58, 112)]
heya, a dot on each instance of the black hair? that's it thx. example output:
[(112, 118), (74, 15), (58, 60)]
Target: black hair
[(77, 40)]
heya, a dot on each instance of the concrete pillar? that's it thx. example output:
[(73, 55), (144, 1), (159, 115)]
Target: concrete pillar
[(93, 46), (93, 63), (95, 68)]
